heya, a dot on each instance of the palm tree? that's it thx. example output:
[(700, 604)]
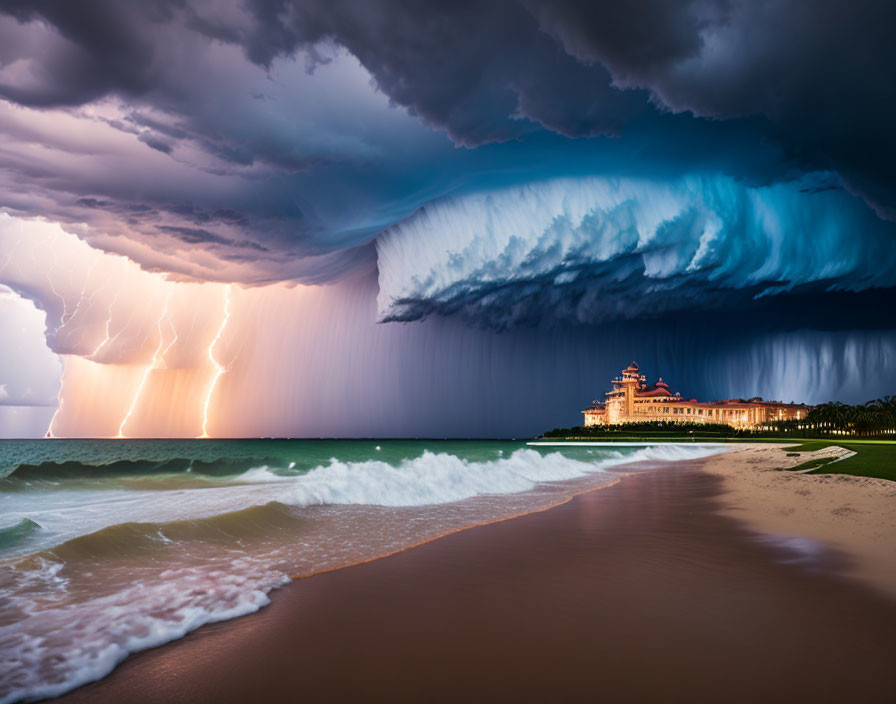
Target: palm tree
[(872, 418)]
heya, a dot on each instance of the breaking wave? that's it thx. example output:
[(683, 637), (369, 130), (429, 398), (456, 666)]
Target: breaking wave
[(69, 613), (58, 471), (18, 533), (435, 478)]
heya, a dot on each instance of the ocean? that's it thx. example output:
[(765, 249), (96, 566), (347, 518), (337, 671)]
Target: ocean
[(109, 547)]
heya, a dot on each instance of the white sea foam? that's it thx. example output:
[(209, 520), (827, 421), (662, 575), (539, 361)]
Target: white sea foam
[(61, 636), (436, 478), (431, 478), (262, 475), (676, 453), (101, 632)]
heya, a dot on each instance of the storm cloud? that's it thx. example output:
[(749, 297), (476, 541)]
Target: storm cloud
[(704, 185), (271, 139)]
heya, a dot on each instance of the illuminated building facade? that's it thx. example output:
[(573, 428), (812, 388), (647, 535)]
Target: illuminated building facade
[(632, 400)]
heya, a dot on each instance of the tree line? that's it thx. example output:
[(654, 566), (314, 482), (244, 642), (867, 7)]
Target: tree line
[(877, 417)]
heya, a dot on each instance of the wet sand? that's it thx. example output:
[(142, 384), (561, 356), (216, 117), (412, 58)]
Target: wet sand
[(642, 591), (856, 515)]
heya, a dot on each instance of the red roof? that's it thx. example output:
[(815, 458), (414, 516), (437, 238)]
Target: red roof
[(654, 392)]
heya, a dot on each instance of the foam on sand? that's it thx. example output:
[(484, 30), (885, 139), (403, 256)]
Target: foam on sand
[(72, 611)]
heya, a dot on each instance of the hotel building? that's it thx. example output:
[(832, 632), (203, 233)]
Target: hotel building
[(633, 401)]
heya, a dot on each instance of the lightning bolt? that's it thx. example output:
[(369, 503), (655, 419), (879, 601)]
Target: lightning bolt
[(65, 320), (9, 256), (170, 344), (59, 399), (124, 328), (49, 271), (53, 286), (88, 306), (108, 323), (156, 359), (219, 368)]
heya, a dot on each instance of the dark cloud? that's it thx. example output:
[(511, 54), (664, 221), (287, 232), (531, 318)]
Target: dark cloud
[(820, 71), (198, 235), (478, 70), (601, 296), (193, 235), (140, 120), (153, 142), (705, 156), (761, 91), (649, 34), (593, 250), (100, 46)]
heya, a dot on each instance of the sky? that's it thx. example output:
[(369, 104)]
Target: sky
[(306, 218)]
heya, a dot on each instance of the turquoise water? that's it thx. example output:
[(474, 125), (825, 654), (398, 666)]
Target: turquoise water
[(108, 547), (219, 457)]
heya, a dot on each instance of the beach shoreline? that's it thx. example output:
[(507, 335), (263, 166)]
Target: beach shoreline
[(169, 578), (650, 574), (852, 514)]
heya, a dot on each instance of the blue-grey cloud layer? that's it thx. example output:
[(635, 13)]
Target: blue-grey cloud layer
[(255, 141), (589, 250)]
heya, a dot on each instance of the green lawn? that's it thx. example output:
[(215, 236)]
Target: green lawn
[(873, 458)]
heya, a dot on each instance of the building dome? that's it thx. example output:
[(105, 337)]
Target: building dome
[(661, 384)]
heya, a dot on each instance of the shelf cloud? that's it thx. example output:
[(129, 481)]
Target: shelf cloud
[(512, 166)]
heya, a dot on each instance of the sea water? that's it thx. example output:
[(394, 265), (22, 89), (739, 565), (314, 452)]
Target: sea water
[(108, 547)]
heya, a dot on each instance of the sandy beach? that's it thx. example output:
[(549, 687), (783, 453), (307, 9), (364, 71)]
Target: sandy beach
[(856, 515), (647, 590)]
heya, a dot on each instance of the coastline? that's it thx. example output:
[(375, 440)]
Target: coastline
[(855, 515), (224, 566), (565, 603)]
